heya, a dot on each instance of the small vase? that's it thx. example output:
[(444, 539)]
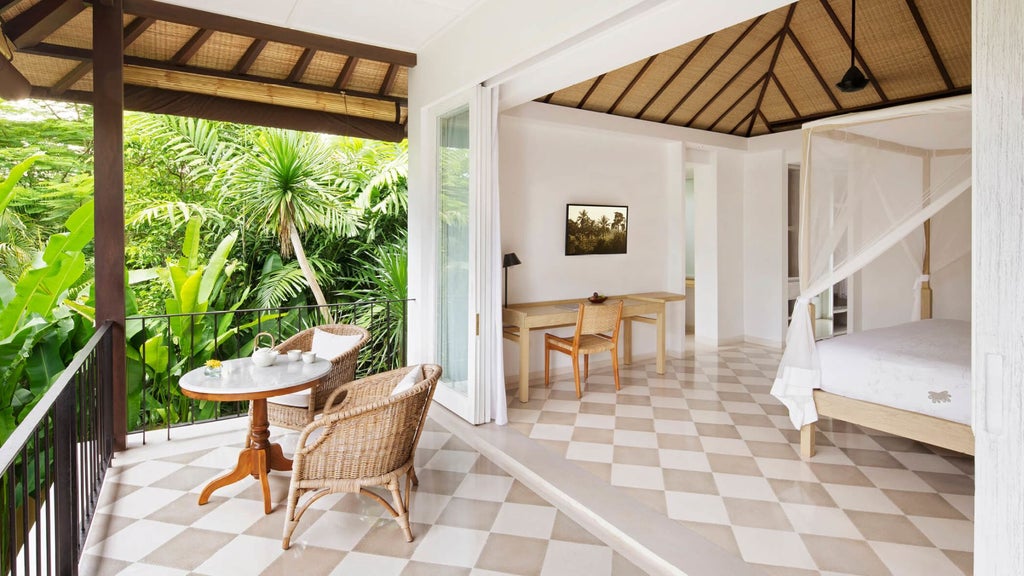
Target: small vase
[(212, 371)]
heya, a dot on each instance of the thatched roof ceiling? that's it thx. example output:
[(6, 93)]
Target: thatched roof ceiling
[(779, 70), (186, 61)]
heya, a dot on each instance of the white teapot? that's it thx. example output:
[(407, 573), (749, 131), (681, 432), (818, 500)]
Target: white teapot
[(264, 357)]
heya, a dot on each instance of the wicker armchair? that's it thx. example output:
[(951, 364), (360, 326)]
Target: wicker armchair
[(344, 370), (369, 439), (592, 323)]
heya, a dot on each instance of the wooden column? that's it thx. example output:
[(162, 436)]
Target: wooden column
[(997, 254), (108, 132)]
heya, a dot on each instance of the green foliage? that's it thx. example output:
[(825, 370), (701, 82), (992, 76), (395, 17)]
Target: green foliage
[(214, 212), (36, 329), (161, 351)]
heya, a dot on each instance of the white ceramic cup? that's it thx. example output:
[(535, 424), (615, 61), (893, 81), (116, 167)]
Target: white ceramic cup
[(295, 355), (309, 357)]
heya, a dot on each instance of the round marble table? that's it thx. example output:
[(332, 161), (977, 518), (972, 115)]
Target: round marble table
[(241, 380)]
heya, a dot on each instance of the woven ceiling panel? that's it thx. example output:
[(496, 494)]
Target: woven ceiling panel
[(221, 51), (763, 75)]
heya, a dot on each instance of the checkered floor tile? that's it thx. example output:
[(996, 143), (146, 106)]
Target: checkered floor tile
[(468, 517), (706, 445)]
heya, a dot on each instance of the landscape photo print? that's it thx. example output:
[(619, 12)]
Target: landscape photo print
[(595, 229)]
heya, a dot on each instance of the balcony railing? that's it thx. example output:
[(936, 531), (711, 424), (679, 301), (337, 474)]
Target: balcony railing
[(53, 467), (161, 348)]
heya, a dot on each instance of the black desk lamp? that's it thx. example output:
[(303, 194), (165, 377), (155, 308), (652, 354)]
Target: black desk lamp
[(508, 260)]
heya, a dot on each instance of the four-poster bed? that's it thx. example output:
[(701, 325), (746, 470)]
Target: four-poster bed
[(869, 182)]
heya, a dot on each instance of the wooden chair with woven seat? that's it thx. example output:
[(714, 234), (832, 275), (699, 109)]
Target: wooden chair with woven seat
[(296, 410), (597, 330), (367, 440)]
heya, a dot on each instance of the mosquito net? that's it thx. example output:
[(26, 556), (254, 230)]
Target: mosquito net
[(869, 181)]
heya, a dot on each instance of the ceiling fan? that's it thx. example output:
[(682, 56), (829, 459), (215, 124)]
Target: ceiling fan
[(854, 80)]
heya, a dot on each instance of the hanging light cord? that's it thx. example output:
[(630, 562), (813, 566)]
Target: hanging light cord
[(853, 33)]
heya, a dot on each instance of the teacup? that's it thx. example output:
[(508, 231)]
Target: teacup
[(295, 355), (309, 357)]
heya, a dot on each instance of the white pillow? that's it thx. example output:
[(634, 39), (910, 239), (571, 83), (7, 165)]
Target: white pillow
[(409, 380), (298, 399), (329, 346)]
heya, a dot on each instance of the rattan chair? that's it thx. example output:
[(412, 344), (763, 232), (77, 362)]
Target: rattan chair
[(369, 439), (344, 370), (597, 330)]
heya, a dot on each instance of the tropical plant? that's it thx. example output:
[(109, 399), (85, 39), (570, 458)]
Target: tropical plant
[(36, 328), (163, 350), (283, 186)]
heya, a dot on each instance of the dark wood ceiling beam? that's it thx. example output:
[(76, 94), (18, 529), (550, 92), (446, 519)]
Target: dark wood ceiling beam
[(737, 102), (713, 67), (346, 73), (771, 65), (590, 91), (250, 56), (923, 29), (674, 75), (765, 120), (33, 25), (732, 79), (83, 55), (547, 99), (241, 27), (741, 122), (389, 80), (785, 95), (186, 52), (301, 65), (69, 79), (135, 28), (132, 31), (632, 83), (814, 69), (160, 101), (13, 85), (856, 53), (790, 122)]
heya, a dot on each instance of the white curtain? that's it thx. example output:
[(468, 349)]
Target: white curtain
[(491, 347), (868, 181)]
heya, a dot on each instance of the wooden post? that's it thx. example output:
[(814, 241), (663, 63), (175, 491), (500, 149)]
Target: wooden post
[(926, 269), (108, 133)]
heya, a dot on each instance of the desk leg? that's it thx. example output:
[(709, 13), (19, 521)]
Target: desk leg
[(661, 342), (627, 341), (524, 364)]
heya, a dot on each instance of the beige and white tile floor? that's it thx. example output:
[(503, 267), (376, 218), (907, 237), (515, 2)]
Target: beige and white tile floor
[(707, 446), (468, 517), (695, 470)]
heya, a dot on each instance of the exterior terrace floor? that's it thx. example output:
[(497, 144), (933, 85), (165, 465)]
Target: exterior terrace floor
[(696, 471)]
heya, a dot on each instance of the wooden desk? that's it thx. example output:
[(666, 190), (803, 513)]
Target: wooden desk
[(519, 319), (242, 380)]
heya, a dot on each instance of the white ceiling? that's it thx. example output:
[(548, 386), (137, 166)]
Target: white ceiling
[(400, 24)]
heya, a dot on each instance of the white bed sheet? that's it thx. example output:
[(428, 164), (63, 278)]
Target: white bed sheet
[(920, 366)]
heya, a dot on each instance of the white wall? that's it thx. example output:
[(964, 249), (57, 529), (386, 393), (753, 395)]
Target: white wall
[(547, 165), (718, 267), (765, 190)]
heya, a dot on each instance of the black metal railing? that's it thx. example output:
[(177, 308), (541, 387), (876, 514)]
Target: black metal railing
[(53, 467), (161, 348)]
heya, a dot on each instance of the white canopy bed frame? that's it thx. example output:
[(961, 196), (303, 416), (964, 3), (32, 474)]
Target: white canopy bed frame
[(869, 180)]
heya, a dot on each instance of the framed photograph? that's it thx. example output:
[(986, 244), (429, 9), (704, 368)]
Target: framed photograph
[(595, 229)]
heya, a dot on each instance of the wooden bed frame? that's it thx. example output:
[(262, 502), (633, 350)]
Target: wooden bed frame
[(923, 428)]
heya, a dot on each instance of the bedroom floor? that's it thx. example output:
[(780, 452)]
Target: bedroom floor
[(706, 445)]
